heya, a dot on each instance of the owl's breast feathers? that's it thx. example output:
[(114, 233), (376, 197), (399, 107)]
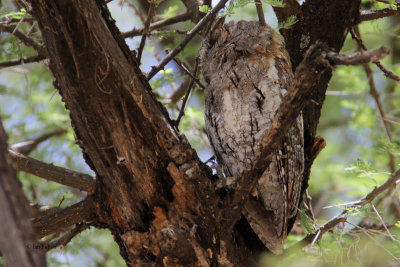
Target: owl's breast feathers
[(248, 71)]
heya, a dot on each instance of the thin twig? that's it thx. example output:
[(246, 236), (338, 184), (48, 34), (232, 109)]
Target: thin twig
[(307, 203), (18, 24), (27, 146), (19, 61), (316, 237), (166, 32), (342, 204), (388, 73), (210, 15), (185, 69), (138, 12), (157, 25), (382, 221), (312, 238), (65, 237), (260, 13), (146, 30), (392, 121), (355, 33), (185, 99)]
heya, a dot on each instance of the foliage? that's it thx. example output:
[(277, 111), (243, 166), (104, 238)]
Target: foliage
[(354, 161), (236, 5), (288, 23)]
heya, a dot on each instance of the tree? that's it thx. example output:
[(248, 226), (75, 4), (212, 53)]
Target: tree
[(150, 188)]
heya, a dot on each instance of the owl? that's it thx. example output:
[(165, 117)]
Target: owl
[(248, 71)]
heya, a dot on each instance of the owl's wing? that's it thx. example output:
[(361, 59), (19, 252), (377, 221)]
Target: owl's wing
[(277, 193)]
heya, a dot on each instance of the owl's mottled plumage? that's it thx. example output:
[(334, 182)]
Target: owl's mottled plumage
[(248, 71)]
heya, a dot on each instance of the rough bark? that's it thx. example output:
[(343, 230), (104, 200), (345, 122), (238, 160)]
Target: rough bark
[(152, 191), (149, 178)]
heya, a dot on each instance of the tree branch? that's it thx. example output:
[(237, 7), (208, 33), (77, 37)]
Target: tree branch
[(21, 60), (260, 13), (37, 210), (146, 31), (186, 70), (366, 15), (157, 24), (25, 39), (58, 221), (361, 57), (189, 90), (210, 15), (53, 173), (27, 146), (388, 73), (66, 237)]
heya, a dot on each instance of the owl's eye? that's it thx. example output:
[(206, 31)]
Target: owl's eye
[(207, 79)]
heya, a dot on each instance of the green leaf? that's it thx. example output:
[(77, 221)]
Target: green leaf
[(14, 15), (275, 3), (204, 8), (306, 222), (169, 12), (288, 23)]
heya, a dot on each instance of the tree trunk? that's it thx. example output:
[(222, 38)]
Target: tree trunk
[(152, 191)]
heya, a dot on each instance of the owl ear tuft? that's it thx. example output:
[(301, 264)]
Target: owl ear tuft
[(216, 31)]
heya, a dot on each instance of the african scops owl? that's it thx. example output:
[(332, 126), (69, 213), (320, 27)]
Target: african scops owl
[(248, 71)]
